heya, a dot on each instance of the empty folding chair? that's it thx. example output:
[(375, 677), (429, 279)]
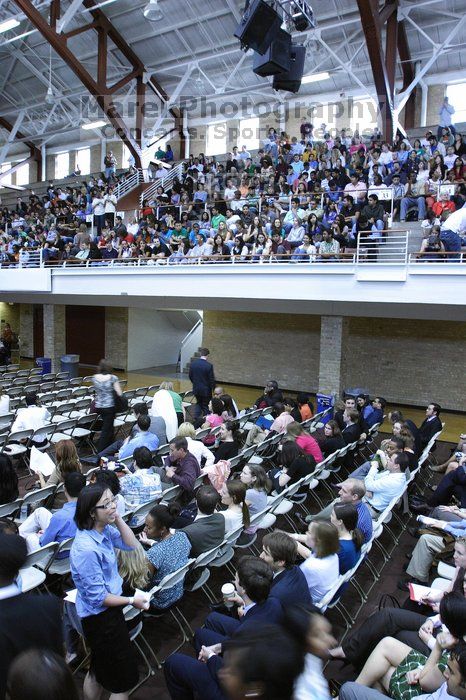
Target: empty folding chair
[(42, 437), (63, 375), (62, 430), (84, 430), (30, 575), (59, 565), (16, 444)]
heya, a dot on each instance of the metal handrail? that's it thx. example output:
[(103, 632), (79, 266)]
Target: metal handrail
[(165, 182), (129, 184)]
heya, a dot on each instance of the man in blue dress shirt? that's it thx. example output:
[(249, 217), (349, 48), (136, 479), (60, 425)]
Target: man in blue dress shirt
[(42, 527)]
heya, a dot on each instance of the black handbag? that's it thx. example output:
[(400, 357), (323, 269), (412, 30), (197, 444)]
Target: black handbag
[(120, 402)]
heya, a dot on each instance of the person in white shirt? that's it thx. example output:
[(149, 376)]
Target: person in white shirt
[(32, 417), (201, 248), (445, 117), (244, 155), (230, 191), (453, 230), (382, 487), (312, 684), (4, 403), (196, 447), (319, 547), (110, 202), (98, 209), (234, 496)]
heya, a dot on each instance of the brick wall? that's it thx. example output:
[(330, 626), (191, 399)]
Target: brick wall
[(251, 348), (26, 330), (435, 97), (116, 336), (405, 361)]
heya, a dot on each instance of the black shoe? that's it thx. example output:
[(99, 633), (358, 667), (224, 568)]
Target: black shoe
[(414, 532), (403, 584), (422, 508)]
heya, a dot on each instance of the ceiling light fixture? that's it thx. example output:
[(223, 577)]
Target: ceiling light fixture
[(49, 96), (315, 77), (152, 11), (8, 24), (94, 125)]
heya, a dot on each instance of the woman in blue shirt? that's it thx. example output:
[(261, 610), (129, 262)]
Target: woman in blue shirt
[(345, 518), (169, 551), (99, 602)]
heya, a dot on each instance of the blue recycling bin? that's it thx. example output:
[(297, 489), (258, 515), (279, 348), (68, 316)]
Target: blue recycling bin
[(45, 363), (325, 401), (70, 364)]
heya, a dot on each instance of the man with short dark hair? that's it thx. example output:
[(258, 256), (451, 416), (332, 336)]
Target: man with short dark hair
[(272, 395), (186, 676), (201, 374), (181, 468), (42, 527), (430, 425), (142, 438), (289, 584), (26, 620), (208, 528)]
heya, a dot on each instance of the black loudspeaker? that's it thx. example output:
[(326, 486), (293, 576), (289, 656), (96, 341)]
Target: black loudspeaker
[(277, 57), (259, 26), (291, 80)]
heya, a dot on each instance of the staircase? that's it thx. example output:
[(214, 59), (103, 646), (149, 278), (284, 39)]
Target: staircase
[(166, 182)]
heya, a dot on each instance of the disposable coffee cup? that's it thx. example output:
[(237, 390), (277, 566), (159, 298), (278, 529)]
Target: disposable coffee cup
[(228, 592)]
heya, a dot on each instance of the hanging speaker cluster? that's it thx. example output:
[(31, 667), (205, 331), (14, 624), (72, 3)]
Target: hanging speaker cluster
[(274, 53)]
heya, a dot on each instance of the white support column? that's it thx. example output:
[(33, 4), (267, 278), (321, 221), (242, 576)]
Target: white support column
[(43, 150), (186, 134), (424, 92)]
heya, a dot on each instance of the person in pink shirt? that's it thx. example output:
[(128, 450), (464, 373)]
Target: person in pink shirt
[(283, 418), (305, 441), (214, 418)]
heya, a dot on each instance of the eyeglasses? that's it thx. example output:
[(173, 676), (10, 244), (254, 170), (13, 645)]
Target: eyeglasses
[(108, 504)]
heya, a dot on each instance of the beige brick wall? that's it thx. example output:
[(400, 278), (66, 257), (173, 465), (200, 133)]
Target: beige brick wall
[(435, 97), (54, 333), (406, 361), (10, 313), (116, 336), (251, 348), (26, 330)]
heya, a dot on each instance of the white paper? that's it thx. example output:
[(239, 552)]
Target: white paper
[(70, 596), (40, 462)]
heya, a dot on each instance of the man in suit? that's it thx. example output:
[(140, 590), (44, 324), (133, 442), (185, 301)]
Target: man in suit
[(185, 676), (352, 430), (26, 621), (208, 529), (201, 374), (431, 425), (289, 584)]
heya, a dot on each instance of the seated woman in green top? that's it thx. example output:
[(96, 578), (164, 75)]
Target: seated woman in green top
[(177, 401), (405, 673)]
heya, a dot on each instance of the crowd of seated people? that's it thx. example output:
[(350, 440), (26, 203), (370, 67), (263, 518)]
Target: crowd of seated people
[(293, 569), (299, 199)]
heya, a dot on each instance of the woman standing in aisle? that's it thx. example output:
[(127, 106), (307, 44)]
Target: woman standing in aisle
[(106, 385), (99, 602)]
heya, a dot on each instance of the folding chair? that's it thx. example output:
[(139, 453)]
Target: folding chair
[(171, 493), (84, 430), (40, 435), (59, 565), (168, 582), (63, 375), (31, 576), (137, 638), (139, 513), (36, 498), (15, 445), (62, 430), (11, 510)]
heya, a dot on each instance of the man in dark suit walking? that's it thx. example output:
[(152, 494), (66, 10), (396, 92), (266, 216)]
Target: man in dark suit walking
[(201, 374), (26, 621)]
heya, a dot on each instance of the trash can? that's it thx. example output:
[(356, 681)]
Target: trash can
[(325, 401), (70, 364), (45, 363)]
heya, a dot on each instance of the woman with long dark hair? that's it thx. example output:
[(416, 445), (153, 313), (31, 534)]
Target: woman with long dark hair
[(99, 601)]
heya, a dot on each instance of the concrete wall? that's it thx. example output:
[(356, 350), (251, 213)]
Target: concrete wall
[(405, 361), (153, 340), (26, 330)]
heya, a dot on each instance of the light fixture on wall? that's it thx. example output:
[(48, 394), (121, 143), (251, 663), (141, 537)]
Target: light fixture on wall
[(152, 11), (49, 96)]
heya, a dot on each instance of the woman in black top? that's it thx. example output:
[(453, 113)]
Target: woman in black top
[(294, 464), (8, 481), (229, 445), (333, 439)]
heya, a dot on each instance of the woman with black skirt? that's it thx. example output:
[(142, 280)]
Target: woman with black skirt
[(99, 602)]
